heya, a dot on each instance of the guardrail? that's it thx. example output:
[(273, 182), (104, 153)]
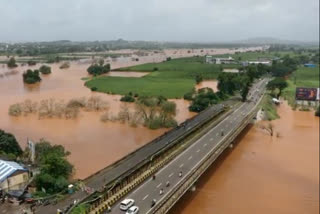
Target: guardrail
[(165, 205)]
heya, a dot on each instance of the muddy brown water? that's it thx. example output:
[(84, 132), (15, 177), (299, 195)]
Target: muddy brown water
[(93, 144), (263, 174)]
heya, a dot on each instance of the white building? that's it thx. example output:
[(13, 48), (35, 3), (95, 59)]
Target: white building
[(211, 60)]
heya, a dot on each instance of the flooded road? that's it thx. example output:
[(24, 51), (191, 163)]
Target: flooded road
[(264, 174)]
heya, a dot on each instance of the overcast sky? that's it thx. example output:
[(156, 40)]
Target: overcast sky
[(161, 20)]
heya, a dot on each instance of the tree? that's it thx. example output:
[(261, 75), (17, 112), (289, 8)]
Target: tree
[(9, 144), (244, 92), (45, 69), (54, 167), (12, 63), (277, 83), (31, 77), (98, 69), (198, 78)]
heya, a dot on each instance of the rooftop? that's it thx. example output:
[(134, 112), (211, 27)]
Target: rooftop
[(7, 168)]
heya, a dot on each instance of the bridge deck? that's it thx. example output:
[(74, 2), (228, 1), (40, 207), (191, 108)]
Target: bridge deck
[(190, 158)]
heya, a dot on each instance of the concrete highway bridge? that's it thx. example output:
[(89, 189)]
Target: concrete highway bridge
[(164, 169)]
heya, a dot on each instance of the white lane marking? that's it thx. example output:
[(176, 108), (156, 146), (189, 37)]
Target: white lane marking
[(205, 145), (190, 148), (190, 158), (181, 165), (170, 175), (159, 185), (145, 197), (198, 150)]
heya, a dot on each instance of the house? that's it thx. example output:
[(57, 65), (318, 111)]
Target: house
[(12, 176)]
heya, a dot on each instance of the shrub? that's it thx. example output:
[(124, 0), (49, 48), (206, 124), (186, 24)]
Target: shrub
[(127, 98), (45, 69), (31, 62), (155, 69), (12, 63), (65, 65), (94, 88), (15, 109)]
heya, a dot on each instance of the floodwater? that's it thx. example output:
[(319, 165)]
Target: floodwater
[(92, 143), (213, 84), (264, 174), (126, 74)]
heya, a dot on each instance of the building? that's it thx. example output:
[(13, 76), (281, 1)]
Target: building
[(12, 176), (211, 60), (263, 62)]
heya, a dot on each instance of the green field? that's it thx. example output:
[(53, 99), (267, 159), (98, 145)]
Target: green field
[(303, 77), (144, 86), (172, 79)]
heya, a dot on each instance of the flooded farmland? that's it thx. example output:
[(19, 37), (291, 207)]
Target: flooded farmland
[(93, 144)]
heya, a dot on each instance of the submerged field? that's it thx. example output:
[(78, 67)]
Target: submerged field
[(171, 79)]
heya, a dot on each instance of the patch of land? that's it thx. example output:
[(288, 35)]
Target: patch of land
[(171, 79)]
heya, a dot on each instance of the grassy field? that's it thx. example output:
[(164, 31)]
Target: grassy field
[(172, 79), (144, 86), (303, 77)]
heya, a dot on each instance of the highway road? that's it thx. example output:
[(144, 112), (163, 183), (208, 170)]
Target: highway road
[(190, 158)]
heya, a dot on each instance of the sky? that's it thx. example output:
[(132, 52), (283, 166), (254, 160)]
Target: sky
[(158, 20)]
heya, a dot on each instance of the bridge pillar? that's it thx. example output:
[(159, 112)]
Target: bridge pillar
[(231, 146), (193, 188)]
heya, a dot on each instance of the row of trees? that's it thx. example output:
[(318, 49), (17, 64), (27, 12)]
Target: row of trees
[(152, 112)]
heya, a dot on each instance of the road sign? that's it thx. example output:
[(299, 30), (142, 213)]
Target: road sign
[(309, 94)]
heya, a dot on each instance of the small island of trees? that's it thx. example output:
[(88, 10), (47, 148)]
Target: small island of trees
[(31, 77), (45, 69), (99, 68)]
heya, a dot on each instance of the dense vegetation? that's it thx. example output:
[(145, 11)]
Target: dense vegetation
[(9, 146), (99, 68), (55, 170), (31, 77), (45, 69)]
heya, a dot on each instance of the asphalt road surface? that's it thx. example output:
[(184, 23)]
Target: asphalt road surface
[(191, 157)]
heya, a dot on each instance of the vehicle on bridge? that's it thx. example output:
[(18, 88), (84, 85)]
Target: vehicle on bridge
[(126, 204), (133, 210)]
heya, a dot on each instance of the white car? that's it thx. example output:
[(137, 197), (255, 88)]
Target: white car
[(126, 204), (133, 210)]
